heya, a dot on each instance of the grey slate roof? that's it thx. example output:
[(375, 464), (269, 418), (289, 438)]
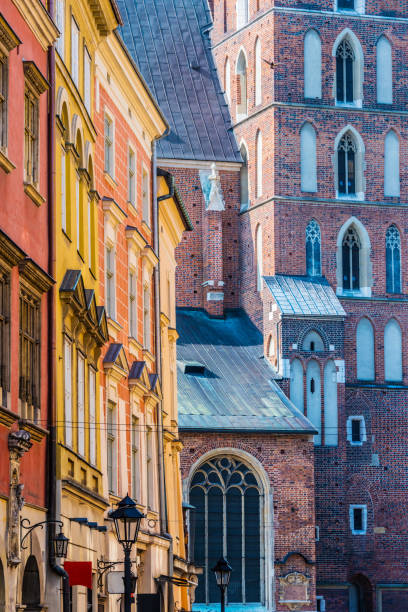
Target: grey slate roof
[(304, 295), (237, 391), (168, 41)]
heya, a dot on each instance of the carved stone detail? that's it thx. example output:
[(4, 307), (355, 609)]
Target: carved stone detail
[(294, 591), (18, 443)]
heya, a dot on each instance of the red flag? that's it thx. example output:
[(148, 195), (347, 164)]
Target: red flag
[(79, 572)]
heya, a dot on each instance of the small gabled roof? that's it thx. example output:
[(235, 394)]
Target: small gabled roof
[(139, 374), (170, 43), (304, 296), (235, 391), (116, 356)]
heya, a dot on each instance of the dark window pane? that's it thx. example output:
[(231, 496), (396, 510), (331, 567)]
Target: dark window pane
[(215, 525), (355, 430), (351, 174), (358, 519), (356, 267), (342, 171), (346, 267), (197, 500), (346, 4), (339, 79), (349, 79), (252, 546), (397, 271), (389, 269), (309, 258), (234, 544), (316, 253)]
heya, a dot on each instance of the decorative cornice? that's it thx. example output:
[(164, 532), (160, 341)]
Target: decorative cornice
[(150, 258), (5, 163), (9, 251), (34, 275), (19, 442), (33, 75), (135, 238), (36, 432), (113, 210), (39, 21), (7, 417), (34, 194), (8, 38)]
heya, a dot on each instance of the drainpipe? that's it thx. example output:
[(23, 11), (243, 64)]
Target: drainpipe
[(163, 500), (52, 355)]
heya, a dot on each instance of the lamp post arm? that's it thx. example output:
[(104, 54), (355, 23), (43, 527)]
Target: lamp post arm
[(25, 524)]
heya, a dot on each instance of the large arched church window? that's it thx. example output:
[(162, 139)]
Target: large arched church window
[(347, 165), (344, 72), (227, 496)]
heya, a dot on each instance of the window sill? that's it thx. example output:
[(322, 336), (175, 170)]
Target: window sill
[(5, 163), (7, 417), (134, 346), (66, 235), (148, 357), (146, 228), (33, 194), (36, 432), (109, 179), (113, 328)]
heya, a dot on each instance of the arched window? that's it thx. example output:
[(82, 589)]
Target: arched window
[(391, 165), (314, 400), (384, 71), (242, 13), (313, 241), (31, 593), (241, 86), (344, 72), (228, 522), (227, 80), (346, 163), (365, 350), (259, 258), (312, 342), (258, 164), (244, 178), (258, 73), (351, 260), (393, 259), (393, 351), (312, 65), (296, 384), (308, 173), (330, 404)]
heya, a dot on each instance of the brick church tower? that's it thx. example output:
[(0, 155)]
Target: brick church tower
[(318, 99)]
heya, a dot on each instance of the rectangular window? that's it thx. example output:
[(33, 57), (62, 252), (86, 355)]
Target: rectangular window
[(358, 519), (92, 415), (321, 604), (78, 211), (145, 197), (4, 337), (111, 447), (68, 391), (29, 355), (132, 305), (30, 137), (135, 458), (74, 52), (346, 4), (60, 17), (355, 430), (87, 80), (109, 146), (3, 101), (132, 177), (110, 281), (146, 319), (150, 468), (90, 234), (81, 403), (63, 191)]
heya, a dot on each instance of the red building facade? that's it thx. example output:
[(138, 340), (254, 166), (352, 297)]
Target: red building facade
[(319, 111), (24, 264)]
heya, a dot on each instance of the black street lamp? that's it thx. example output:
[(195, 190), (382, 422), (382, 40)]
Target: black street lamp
[(127, 519), (222, 573)]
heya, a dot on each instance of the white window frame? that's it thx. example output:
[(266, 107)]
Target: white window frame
[(363, 432), (145, 195), (60, 22), (68, 391), (87, 79), (135, 459), (109, 145), (75, 51), (64, 190), (362, 507), (92, 414), (111, 441), (81, 403), (132, 176), (132, 303), (147, 331), (110, 280)]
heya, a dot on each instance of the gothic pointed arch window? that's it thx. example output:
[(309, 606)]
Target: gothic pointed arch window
[(312, 58), (346, 160), (345, 60), (241, 82), (393, 259), (244, 178), (351, 260), (313, 242), (228, 498)]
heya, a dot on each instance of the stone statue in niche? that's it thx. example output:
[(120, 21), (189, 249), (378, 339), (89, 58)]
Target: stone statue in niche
[(18, 443), (294, 591), (211, 186)]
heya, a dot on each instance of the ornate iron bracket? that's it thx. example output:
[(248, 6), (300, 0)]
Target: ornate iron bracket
[(105, 566), (25, 524)]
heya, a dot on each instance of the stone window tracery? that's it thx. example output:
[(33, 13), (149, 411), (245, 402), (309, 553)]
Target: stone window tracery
[(313, 241), (344, 72), (346, 152), (393, 259), (351, 260), (227, 496)]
